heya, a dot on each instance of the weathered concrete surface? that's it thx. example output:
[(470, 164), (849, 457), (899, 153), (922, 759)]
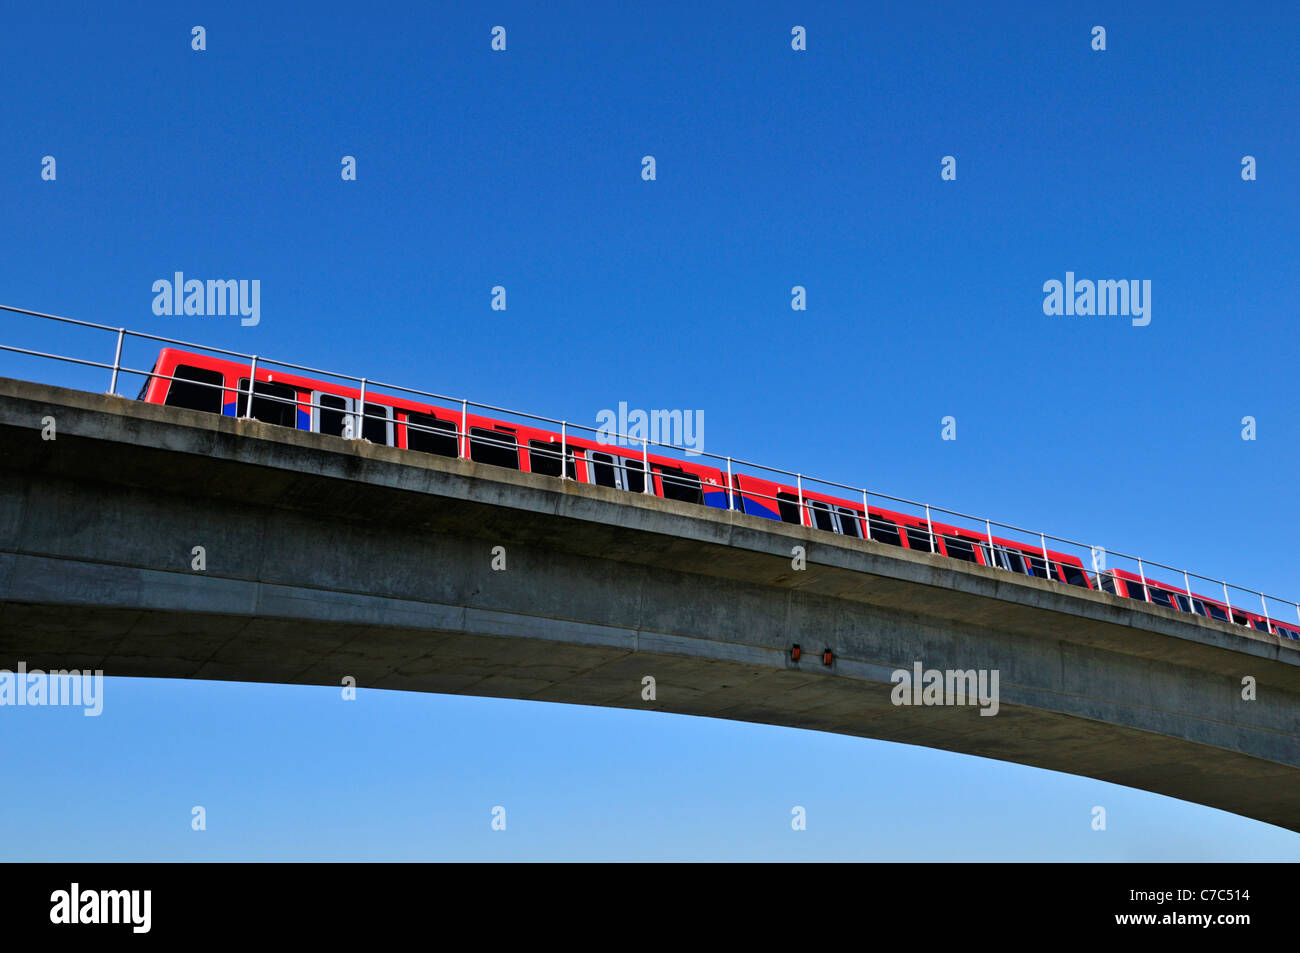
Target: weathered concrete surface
[(327, 558)]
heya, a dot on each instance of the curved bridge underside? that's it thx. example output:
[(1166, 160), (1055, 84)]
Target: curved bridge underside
[(327, 558)]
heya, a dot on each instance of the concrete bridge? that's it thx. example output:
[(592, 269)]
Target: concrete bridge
[(327, 558)]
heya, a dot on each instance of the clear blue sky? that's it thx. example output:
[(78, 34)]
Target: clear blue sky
[(775, 168)]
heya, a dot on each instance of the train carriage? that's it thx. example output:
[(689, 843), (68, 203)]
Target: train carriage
[(776, 501), (200, 382), (1133, 586)]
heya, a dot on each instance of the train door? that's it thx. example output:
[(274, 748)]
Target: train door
[(337, 416), (834, 519), (617, 471), (823, 517), (1006, 558), (848, 522)]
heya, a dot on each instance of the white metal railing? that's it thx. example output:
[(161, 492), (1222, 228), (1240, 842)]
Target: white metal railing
[(466, 443)]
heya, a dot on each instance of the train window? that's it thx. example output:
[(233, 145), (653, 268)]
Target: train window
[(918, 539), (680, 485), (602, 470), (1259, 624), (1135, 590), (429, 434), (1287, 633), (959, 549), (1105, 582), (634, 475), (1199, 607), (885, 531), (1160, 597), (1216, 612), (788, 504), (376, 425), (193, 389), (821, 515), (848, 522), (1240, 619), (1074, 575), (495, 447), (1184, 603), (544, 458), (272, 403)]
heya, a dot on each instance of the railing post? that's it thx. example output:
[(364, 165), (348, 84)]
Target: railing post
[(359, 427), (798, 481), (464, 429), (731, 487), (1268, 622), (1047, 563), (1188, 583), (117, 361), (929, 526), (1146, 593), (645, 466), (1226, 601), (564, 450), (866, 514), (988, 530), (252, 379)]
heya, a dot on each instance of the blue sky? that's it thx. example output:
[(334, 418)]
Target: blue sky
[(774, 168)]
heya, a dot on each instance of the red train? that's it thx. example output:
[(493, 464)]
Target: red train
[(199, 382)]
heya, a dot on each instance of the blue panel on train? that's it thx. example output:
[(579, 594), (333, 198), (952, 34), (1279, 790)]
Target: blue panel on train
[(755, 508)]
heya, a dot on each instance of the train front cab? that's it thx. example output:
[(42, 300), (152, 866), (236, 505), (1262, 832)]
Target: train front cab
[(214, 385), (200, 382)]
